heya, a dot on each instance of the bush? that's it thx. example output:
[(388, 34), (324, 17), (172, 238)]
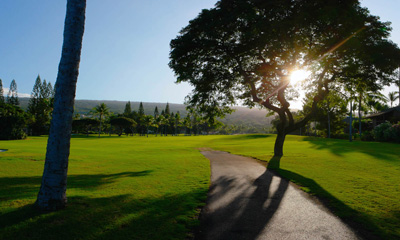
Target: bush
[(386, 132), (366, 125), (12, 122), (340, 135), (367, 136)]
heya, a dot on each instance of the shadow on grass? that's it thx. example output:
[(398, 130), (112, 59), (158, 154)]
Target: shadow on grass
[(358, 221), (94, 136), (24, 187), (116, 217), (248, 136), (249, 209), (339, 147)]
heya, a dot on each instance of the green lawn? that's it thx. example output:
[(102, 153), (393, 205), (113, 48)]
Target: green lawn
[(118, 188), (360, 181), (151, 188)]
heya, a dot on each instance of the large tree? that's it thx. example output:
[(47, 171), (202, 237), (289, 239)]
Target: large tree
[(246, 50), (52, 193)]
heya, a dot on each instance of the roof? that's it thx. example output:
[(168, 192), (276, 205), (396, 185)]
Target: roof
[(384, 112)]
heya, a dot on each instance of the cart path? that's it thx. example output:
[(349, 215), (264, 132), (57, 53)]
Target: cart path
[(246, 201)]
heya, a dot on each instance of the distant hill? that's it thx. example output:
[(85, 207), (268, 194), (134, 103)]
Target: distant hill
[(242, 115)]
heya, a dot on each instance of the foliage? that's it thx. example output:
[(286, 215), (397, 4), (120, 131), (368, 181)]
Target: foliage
[(1, 93), (12, 96), (246, 50), (12, 122), (386, 132), (367, 136), (84, 125), (122, 123), (102, 111), (40, 107)]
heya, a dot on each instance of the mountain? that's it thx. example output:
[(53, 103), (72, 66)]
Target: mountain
[(241, 116)]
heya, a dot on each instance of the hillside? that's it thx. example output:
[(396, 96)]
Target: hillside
[(242, 115)]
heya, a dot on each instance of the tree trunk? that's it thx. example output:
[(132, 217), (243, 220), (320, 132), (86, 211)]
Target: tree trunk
[(280, 139), (329, 120), (351, 122), (359, 116), (52, 193), (100, 125)]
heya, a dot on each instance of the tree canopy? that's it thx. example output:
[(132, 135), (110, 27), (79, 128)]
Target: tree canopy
[(243, 51)]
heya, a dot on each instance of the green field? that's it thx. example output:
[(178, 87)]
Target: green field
[(152, 188)]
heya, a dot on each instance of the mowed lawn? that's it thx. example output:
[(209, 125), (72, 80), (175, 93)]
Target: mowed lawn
[(360, 181), (118, 188), (152, 188)]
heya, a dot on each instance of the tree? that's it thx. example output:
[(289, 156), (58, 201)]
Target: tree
[(121, 123), (167, 111), (247, 50), (40, 106), (148, 122), (393, 98), (12, 122), (101, 110), (52, 193), (1, 93), (84, 124), (12, 97), (128, 109)]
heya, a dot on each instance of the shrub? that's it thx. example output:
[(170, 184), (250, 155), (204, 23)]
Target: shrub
[(367, 136), (12, 122), (386, 132)]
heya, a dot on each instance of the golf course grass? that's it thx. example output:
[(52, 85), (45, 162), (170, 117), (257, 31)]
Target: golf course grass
[(152, 188)]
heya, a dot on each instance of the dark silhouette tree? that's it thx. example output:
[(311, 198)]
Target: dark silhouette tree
[(52, 193), (122, 123), (128, 109), (2, 101), (12, 96), (247, 50)]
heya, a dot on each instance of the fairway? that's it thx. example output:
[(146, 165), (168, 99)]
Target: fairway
[(152, 188)]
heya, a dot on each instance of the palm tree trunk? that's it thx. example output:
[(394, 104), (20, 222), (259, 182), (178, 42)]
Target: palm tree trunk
[(351, 122), (359, 116), (52, 193)]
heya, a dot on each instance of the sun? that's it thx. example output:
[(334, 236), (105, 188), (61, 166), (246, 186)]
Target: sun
[(298, 75)]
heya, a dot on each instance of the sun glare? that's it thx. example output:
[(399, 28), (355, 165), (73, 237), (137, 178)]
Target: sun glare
[(298, 75)]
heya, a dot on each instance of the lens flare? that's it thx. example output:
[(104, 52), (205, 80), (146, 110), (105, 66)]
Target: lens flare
[(298, 75)]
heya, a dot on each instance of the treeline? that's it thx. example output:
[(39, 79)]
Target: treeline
[(15, 123), (132, 122)]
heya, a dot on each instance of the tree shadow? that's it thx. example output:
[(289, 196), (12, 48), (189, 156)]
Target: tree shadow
[(245, 217), (339, 147), (116, 217), (12, 188), (249, 136), (365, 228)]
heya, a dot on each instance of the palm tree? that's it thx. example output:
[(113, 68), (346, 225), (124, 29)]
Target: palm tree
[(393, 97), (52, 193), (101, 110)]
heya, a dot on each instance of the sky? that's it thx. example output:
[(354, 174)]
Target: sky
[(125, 50)]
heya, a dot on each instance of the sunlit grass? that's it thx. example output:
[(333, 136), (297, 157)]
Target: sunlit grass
[(360, 181), (151, 188)]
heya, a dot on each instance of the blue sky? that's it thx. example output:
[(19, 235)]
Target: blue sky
[(125, 47)]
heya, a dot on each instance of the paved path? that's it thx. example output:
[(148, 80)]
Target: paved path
[(247, 202)]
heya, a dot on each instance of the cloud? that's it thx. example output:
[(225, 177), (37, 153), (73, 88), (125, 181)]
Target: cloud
[(21, 95)]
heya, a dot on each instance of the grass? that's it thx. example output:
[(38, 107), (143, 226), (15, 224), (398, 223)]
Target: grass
[(360, 181), (151, 188), (119, 188)]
